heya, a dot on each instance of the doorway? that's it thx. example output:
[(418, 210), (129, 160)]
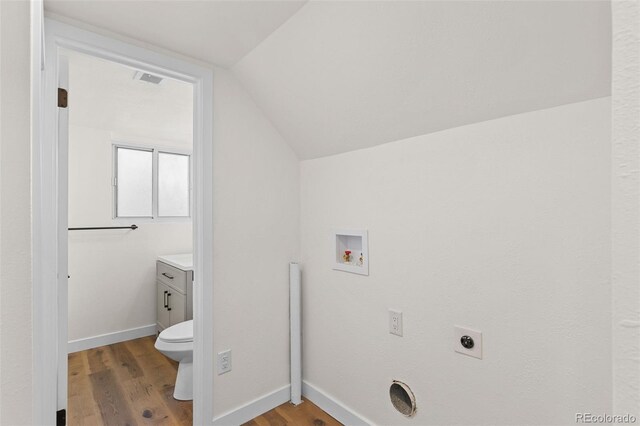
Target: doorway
[(130, 149), (51, 197)]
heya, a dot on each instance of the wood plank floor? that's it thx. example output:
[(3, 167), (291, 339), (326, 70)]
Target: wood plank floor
[(128, 383), (287, 414), (131, 383)]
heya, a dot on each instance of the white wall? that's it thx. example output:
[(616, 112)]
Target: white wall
[(261, 320), (112, 286), (626, 207), (16, 372), (501, 226), (256, 235)]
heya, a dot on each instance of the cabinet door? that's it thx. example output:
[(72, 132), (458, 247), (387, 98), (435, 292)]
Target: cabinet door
[(177, 305), (163, 313)]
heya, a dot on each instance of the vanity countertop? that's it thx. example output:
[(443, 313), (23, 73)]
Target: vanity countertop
[(181, 261)]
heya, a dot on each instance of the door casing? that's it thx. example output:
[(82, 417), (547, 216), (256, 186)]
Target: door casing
[(49, 198)]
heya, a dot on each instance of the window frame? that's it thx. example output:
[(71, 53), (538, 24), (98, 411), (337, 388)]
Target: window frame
[(155, 151)]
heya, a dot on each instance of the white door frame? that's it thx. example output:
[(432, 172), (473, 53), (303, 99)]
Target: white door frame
[(49, 200)]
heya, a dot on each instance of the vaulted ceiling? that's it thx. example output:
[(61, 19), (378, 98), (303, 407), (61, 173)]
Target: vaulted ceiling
[(218, 32), (338, 76)]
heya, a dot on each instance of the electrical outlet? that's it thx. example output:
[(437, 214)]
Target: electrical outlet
[(467, 341), (395, 322), (224, 362)]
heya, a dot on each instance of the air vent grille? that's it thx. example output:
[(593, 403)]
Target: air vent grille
[(149, 78)]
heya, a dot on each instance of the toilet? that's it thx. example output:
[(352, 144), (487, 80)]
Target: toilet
[(176, 342)]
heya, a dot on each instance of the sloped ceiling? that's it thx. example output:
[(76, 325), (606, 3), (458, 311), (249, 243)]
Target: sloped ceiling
[(335, 76), (217, 32), (340, 76)]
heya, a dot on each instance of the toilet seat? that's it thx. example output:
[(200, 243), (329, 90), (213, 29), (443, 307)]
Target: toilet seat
[(176, 343), (178, 333)]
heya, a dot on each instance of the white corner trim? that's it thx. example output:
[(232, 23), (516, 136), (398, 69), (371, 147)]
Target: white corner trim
[(110, 338), (254, 408), (333, 407)]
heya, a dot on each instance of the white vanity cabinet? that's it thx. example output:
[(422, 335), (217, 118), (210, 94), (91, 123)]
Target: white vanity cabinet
[(174, 294)]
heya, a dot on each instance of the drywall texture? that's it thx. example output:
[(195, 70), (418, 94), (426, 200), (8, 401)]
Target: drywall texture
[(501, 226), (626, 211), (345, 75), (105, 95), (113, 272), (256, 235), (15, 215), (113, 286), (220, 32)]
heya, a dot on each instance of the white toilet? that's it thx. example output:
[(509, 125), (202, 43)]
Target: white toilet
[(176, 342)]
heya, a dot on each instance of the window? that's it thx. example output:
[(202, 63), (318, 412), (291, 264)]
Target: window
[(151, 183), (134, 183), (173, 185)]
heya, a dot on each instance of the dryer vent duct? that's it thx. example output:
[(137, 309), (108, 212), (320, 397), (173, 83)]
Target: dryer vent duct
[(402, 398)]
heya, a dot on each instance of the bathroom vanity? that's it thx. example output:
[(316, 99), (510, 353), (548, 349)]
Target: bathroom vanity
[(174, 294)]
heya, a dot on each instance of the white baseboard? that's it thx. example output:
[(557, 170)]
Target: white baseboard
[(110, 338), (254, 408), (333, 407), (270, 401)]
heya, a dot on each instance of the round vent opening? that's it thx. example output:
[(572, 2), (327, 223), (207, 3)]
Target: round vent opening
[(402, 398)]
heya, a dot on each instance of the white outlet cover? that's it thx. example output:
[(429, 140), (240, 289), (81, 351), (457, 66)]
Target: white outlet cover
[(476, 335), (395, 322), (224, 362)]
